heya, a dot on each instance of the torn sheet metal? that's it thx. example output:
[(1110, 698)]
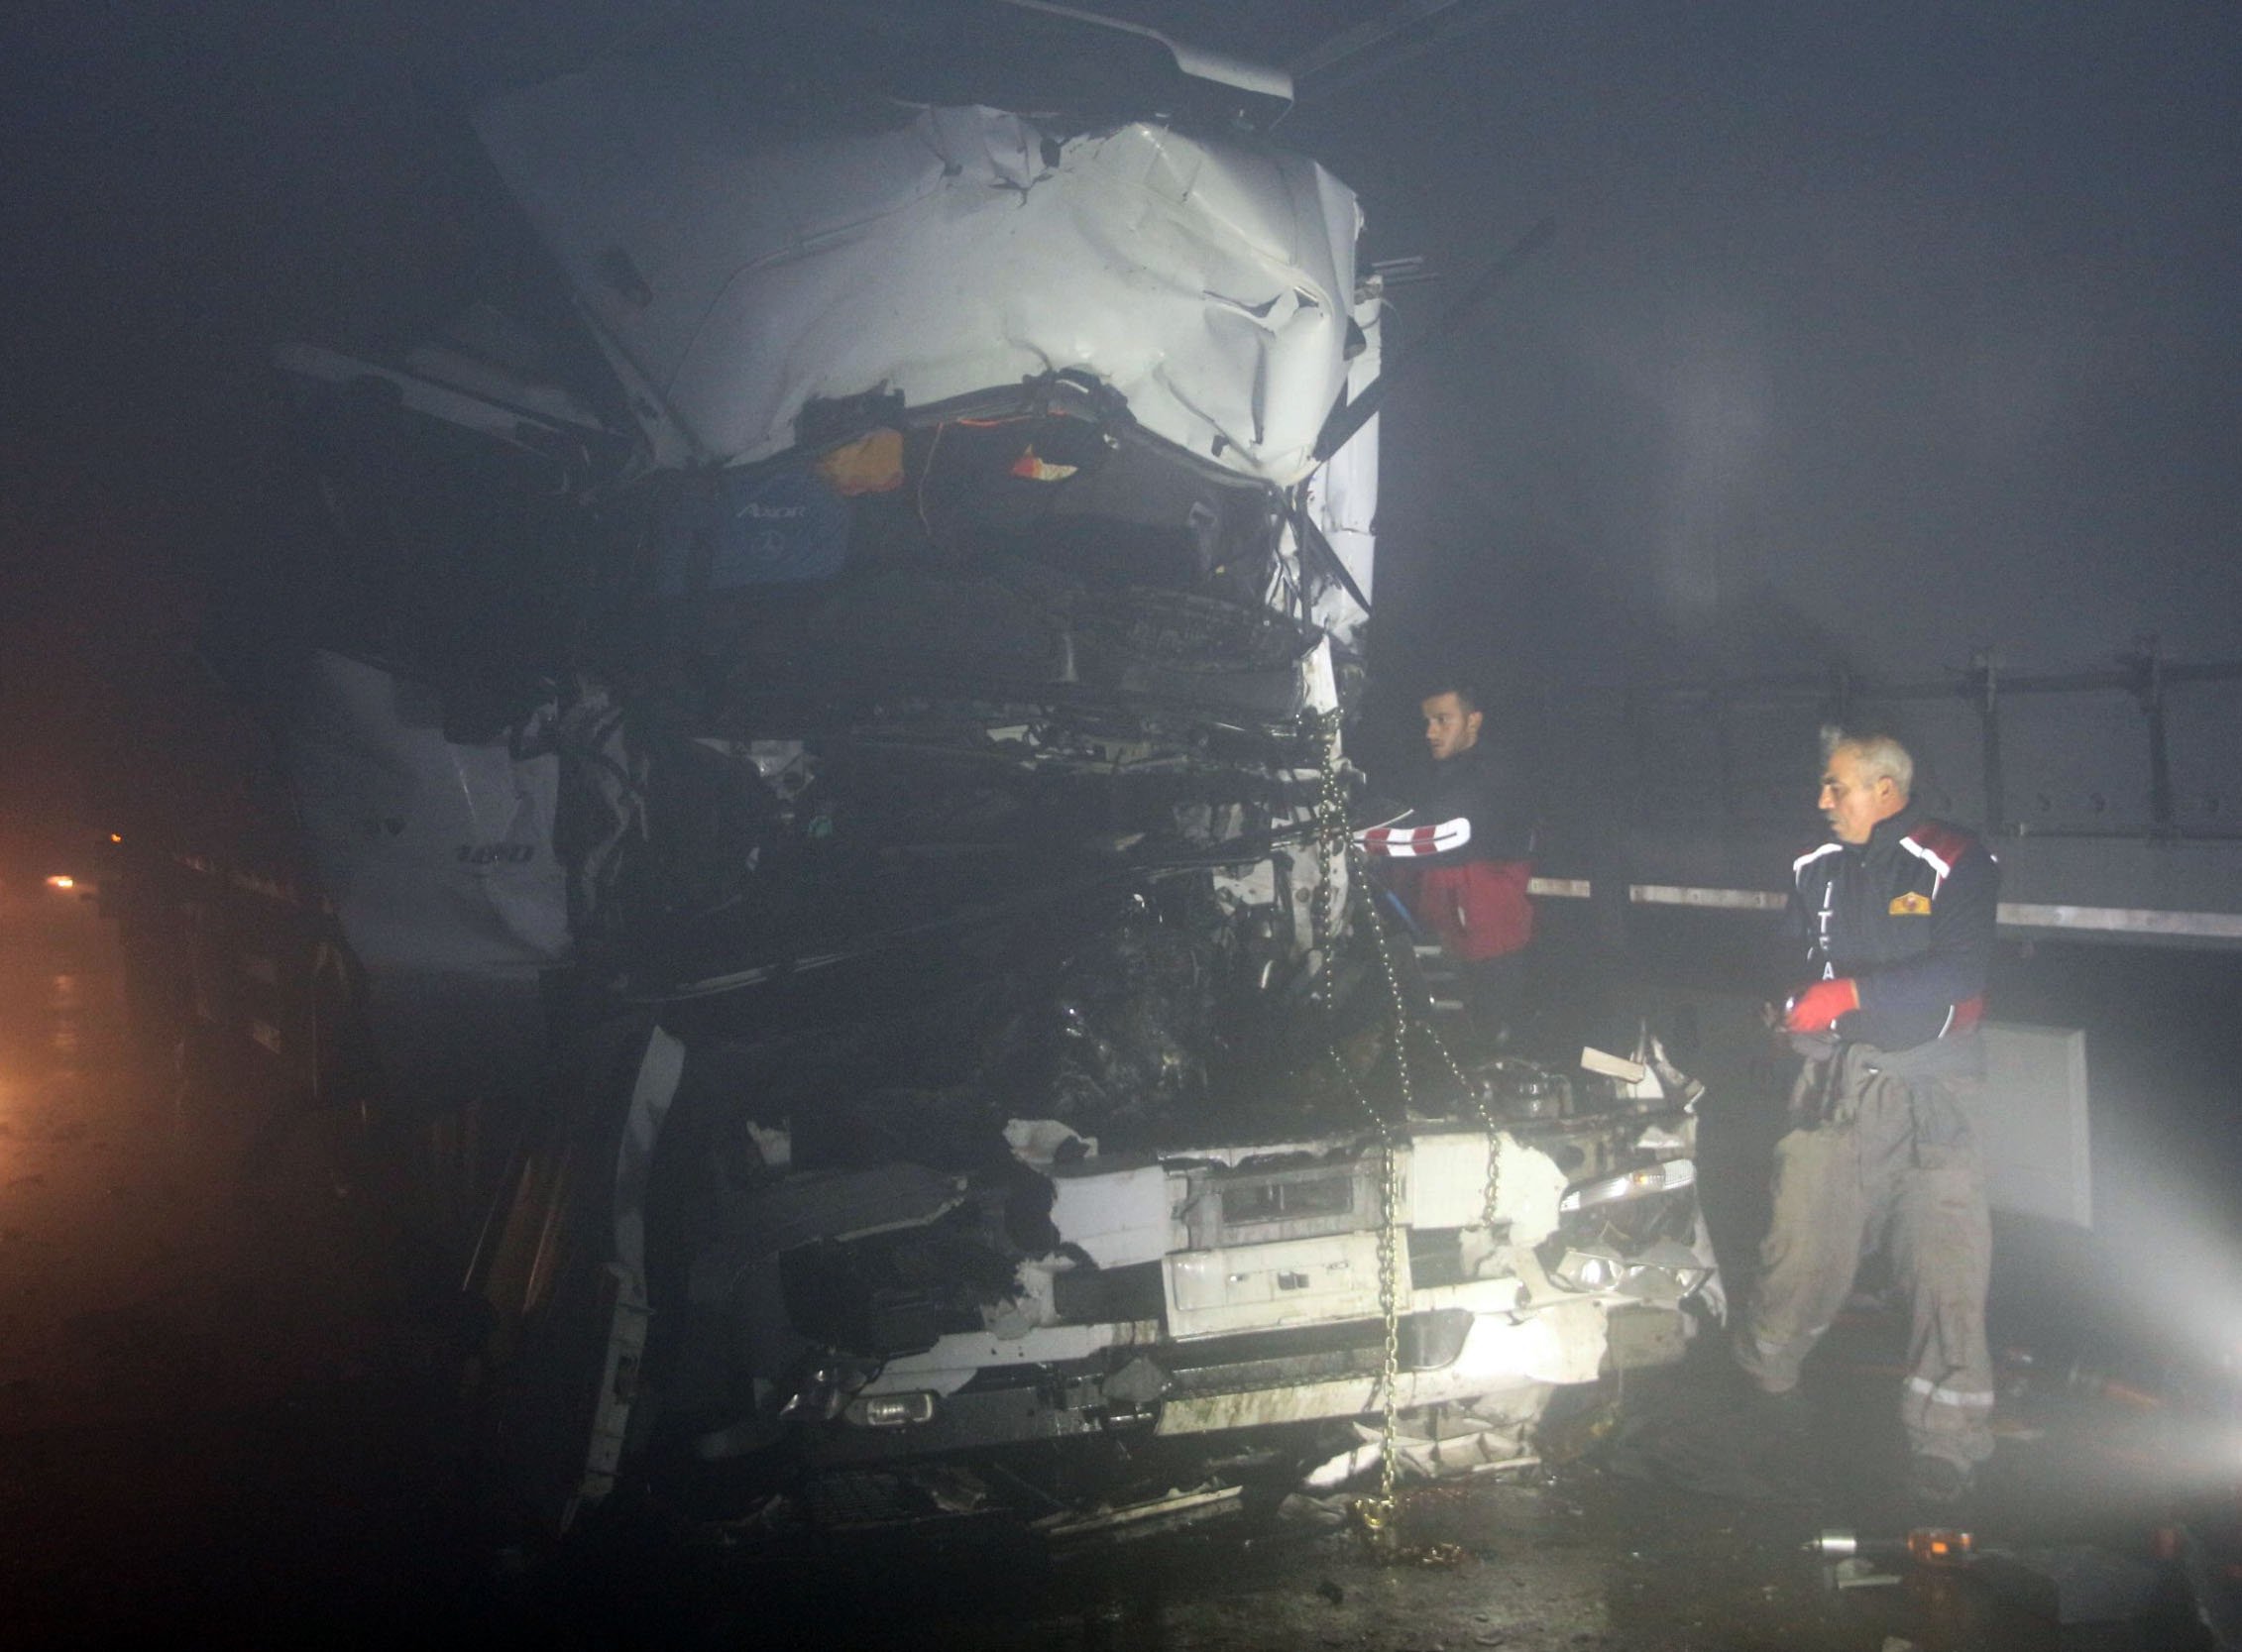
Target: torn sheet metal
[(617, 1392), (1445, 1182), (1043, 1143), (438, 856), (1562, 1343), (1118, 1215), (1261, 1288), (438, 859), (1479, 1448), (957, 1359), (1138, 1519), (738, 278), (660, 1067), (1342, 495)]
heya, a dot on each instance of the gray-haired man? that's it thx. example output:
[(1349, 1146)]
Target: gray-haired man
[(1890, 937)]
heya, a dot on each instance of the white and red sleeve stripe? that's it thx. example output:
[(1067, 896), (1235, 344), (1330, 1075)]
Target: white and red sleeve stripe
[(1403, 842)]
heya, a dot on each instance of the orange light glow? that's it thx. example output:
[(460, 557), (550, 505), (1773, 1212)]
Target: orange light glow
[(114, 839), (1936, 1546), (59, 881)]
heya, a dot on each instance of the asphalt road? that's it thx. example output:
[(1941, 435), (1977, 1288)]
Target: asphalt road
[(220, 1423), (199, 1363)]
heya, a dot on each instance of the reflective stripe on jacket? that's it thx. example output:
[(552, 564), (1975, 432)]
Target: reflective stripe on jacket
[(1909, 917)]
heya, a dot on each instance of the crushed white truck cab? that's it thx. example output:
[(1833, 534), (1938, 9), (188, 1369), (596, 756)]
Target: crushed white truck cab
[(842, 733)]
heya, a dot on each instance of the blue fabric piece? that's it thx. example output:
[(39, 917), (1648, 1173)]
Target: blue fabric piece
[(763, 526)]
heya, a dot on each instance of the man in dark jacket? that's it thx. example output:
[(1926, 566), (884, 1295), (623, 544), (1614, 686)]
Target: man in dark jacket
[(1461, 859), (1890, 937)]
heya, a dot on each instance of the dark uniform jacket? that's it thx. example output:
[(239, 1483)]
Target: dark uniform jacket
[(1909, 917), (1474, 898)]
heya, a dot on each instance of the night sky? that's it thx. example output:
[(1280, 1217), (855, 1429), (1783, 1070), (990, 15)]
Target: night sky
[(1888, 331)]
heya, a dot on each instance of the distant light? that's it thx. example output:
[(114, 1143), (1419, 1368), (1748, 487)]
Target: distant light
[(59, 881), (114, 839)]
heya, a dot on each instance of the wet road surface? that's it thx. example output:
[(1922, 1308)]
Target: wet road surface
[(197, 1364), (221, 1424)]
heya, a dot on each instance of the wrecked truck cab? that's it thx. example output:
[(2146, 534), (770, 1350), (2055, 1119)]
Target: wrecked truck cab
[(1035, 1304), (1246, 1289), (885, 728), (895, 1315)]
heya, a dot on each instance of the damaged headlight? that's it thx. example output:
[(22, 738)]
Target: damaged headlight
[(1587, 1270), (1631, 1184), (904, 1410), (826, 1389), (1666, 1271)]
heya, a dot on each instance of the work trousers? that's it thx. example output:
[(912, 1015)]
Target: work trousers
[(1874, 1157), (1491, 990)]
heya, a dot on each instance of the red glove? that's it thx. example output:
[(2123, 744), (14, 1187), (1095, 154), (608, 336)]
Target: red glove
[(1815, 1010)]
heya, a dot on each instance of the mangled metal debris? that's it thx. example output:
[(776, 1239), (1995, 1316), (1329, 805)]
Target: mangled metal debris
[(1167, 1513), (1484, 1449)]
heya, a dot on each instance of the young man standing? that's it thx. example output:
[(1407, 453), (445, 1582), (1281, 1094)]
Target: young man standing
[(1471, 889)]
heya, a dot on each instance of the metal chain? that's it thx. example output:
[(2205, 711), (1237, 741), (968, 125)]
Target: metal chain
[(1333, 837), (1334, 840), (1491, 1195), (1476, 1094), (1378, 1521), (1374, 1515)]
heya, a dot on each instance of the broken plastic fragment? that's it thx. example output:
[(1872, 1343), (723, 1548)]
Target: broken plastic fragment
[(1029, 467), (1046, 1142), (1609, 1065)]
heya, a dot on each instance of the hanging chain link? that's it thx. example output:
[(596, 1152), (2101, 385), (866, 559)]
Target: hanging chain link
[(1374, 1515), (1335, 847), (1378, 1521), (1332, 837), (1477, 1095)]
